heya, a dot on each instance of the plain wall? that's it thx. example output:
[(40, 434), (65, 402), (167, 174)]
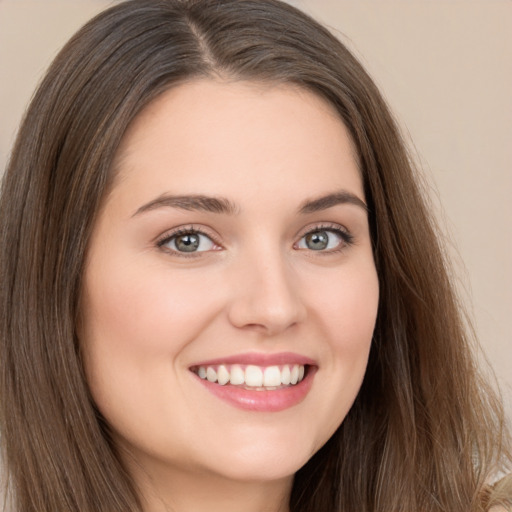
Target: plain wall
[(445, 68)]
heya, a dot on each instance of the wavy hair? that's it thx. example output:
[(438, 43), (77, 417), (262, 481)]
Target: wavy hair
[(426, 433)]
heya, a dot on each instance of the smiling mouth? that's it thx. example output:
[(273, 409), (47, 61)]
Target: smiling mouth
[(252, 377)]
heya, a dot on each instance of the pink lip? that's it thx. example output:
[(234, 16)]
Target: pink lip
[(259, 359), (261, 401)]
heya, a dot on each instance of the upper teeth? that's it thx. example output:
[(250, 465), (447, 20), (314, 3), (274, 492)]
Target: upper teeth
[(252, 376)]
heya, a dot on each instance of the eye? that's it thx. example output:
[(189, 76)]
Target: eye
[(188, 241), (325, 239)]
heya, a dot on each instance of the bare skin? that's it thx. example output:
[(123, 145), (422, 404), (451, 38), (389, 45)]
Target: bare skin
[(274, 260)]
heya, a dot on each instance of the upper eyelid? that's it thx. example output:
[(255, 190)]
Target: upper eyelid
[(180, 230), (318, 226)]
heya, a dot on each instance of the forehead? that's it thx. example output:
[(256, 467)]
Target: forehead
[(222, 134)]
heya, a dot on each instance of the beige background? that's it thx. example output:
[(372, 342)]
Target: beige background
[(444, 66)]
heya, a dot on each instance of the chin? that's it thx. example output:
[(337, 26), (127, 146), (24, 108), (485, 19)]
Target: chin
[(263, 470), (266, 461)]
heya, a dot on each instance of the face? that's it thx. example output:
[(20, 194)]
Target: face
[(230, 291)]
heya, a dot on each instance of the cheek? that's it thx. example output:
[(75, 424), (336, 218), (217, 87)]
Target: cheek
[(136, 325), (353, 323), (146, 311), (346, 306), (346, 310), (137, 320)]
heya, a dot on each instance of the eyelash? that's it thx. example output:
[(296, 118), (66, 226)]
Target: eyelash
[(346, 237), (343, 233), (186, 230)]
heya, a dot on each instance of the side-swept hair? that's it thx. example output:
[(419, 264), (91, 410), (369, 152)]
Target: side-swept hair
[(425, 432)]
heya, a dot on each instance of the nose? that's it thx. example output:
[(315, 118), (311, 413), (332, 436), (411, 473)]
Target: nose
[(266, 296)]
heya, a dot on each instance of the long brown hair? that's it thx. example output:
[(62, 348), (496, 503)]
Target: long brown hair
[(426, 433)]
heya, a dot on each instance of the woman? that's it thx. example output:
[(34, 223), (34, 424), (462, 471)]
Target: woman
[(221, 284)]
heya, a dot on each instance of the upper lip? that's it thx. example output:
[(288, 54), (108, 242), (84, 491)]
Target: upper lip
[(259, 359)]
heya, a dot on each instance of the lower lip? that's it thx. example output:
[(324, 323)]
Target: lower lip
[(262, 401)]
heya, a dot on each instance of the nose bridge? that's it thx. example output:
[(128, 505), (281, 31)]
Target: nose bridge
[(266, 293)]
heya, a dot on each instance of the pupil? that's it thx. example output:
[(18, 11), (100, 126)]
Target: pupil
[(187, 243), (317, 241)]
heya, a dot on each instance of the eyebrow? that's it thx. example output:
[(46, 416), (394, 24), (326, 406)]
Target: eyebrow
[(222, 205), (191, 203), (330, 200)]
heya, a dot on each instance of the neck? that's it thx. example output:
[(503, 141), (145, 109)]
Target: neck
[(168, 490)]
